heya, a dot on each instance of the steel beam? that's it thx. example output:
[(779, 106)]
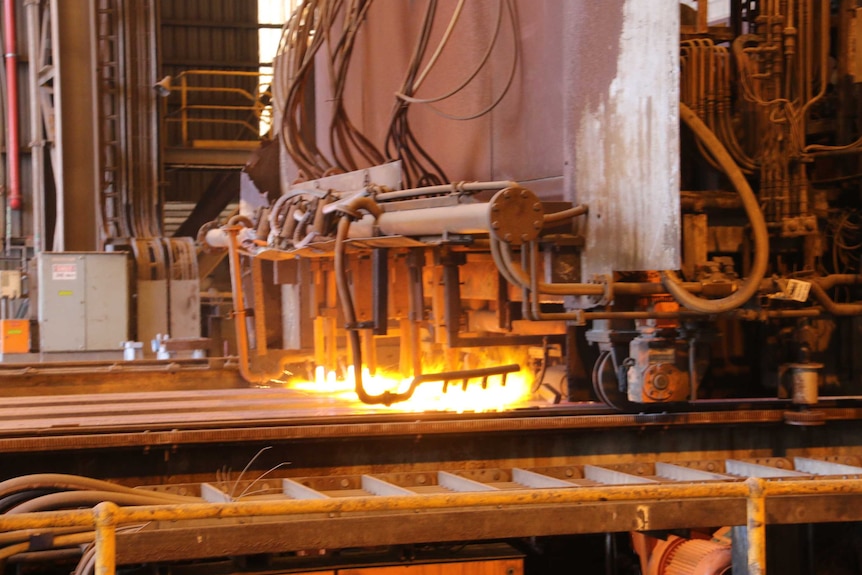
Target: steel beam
[(77, 160)]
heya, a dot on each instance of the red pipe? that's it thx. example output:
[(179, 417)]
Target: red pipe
[(13, 147)]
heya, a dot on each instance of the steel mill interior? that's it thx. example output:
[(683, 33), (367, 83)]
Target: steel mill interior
[(431, 287)]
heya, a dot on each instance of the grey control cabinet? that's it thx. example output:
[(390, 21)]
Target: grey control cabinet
[(83, 301)]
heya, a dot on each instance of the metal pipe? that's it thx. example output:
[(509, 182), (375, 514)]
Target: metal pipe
[(523, 280), (501, 252), (184, 126), (567, 214), (453, 188), (756, 523), (13, 147), (587, 494), (24, 535), (755, 216), (37, 141), (105, 518), (61, 481), (217, 238), (240, 312), (260, 345), (84, 498), (487, 321), (460, 219), (831, 305), (57, 541), (54, 556), (830, 281)]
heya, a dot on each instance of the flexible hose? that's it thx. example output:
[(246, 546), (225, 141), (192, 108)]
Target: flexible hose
[(758, 228), (831, 305), (60, 541), (59, 481), (346, 298), (568, 214), (22, 535), (88, 498)]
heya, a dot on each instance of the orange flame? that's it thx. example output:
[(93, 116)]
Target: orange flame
[(429, 396)]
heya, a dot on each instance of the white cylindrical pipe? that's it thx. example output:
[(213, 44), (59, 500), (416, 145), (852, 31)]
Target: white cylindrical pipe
[(460, 219), (220, 238), (217, 238)]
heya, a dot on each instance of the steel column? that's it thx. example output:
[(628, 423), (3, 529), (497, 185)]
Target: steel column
[(77, 158)]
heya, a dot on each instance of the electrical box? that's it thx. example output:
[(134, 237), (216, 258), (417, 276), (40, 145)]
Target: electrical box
[(83, 301), (14, 336)]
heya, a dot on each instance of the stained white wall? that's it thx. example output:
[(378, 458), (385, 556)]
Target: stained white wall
[(591, 115), (621, 140)]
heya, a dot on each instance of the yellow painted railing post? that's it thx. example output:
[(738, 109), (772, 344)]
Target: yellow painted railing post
[(104, 515), (756, 513)]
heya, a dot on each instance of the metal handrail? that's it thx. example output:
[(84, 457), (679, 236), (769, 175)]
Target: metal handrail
[(107, 516), (187, 114)]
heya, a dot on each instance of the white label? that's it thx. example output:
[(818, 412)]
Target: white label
[(64, 272), (797, 290)]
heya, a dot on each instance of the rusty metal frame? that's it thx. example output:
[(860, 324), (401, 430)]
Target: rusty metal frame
[(634, 505), (184, 89)]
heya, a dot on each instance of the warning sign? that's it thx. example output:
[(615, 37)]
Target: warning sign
[(63, 272)]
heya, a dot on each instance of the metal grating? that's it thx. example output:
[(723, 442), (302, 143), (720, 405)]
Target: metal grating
[(512, 479)]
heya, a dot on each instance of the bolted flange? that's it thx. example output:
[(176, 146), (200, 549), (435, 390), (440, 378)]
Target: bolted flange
[(517, 215)]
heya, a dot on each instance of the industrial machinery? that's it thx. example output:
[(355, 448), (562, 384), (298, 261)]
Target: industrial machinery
[(572, 209), (769, 223)]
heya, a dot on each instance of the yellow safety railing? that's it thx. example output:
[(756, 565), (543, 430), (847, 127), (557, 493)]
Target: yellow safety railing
[(255, 102), (107, 516)]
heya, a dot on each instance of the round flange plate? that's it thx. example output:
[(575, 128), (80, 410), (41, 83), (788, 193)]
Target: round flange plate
[(517, 215)]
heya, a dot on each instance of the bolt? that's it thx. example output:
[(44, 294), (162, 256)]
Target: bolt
[(507, 194), (809, 225), (495, 224), (495, 208), (524, 237), (537, 224), (792, 227), (508, 237), (525, 194), (537, 206)]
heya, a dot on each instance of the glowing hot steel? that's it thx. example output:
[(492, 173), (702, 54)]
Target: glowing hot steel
[(429, 396)]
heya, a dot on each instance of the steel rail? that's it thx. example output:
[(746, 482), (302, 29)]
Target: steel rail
[(390, 425)]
